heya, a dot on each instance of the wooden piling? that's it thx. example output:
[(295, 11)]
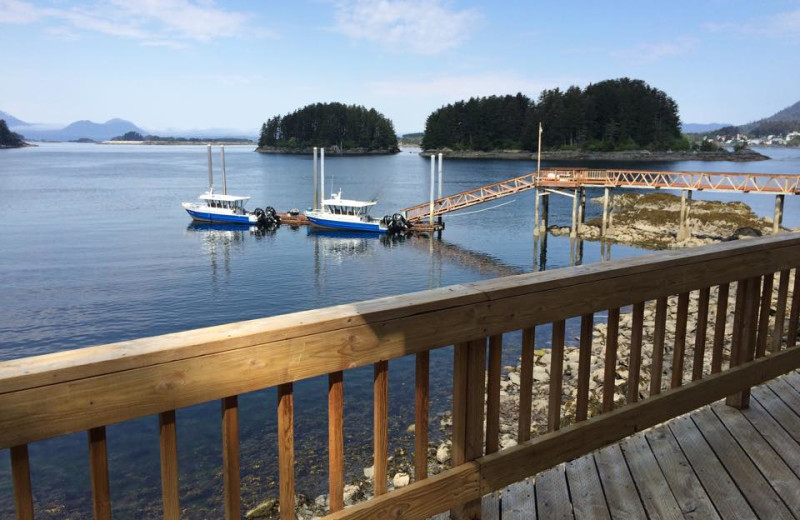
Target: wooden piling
[(545, 213), (605, 212), (536, 213), (573, 232), (777, 220)]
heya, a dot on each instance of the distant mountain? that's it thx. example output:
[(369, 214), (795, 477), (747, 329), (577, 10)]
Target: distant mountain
[(701, 128), (791, 113), (83, 130), (12, 121)]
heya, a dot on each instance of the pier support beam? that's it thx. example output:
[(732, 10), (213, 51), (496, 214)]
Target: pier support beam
[(581, 208), (573, 231), (683, 221), (777, 220), (536, 196), (604, 227), (545, 213)]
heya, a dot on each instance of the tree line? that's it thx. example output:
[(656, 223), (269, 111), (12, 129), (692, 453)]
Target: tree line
[(612, 115), (330, 125)]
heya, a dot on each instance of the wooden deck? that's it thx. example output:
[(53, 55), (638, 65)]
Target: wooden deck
[(717, 462)]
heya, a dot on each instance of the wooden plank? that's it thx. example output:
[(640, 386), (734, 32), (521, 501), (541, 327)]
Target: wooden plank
[(231, 474), (164, 373), (526, 383), (421, 414), (552, 448), (584, 366), (620, 491), (490, 507), (779, 476), (700, 333), (763, 499), (98, 471), (721, 489), (763, 318), (653, 488), (585, 489), (793, 378), (286, 451), (552, 495), (168, 436), (787, 394), (380, 426), (686, 488), (460, 378), (635, 361), (738, 319), (659, 333), (518, 501), (336, 441), (680, 340), (556, 377), (719, 327), (794, 313), (610, 367), (774, 434), (780, 311), (420, 499), (746, 344), (493, 393), (21, 476), (777, 408)]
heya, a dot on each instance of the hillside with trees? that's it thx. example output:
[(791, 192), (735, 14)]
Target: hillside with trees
[(613, 115), (9, 139), (340, 128)]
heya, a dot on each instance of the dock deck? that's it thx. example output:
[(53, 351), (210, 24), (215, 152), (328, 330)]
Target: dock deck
[(716, 462)]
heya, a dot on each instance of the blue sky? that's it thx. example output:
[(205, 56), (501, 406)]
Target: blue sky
[(232, 64)]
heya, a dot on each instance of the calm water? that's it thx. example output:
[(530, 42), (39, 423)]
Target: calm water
[(95, 249)]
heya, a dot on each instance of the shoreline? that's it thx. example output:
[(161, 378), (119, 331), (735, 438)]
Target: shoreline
[(180, 143), (333, 150), (568, 155)]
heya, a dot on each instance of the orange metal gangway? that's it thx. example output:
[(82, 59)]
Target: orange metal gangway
[(579, 178)]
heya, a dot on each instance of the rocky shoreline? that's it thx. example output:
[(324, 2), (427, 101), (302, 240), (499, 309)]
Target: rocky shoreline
[(332, 150), (577, 155), (651, 221)]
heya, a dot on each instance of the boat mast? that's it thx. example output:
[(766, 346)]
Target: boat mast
[(322, 175), (224, 177), (210, 172)]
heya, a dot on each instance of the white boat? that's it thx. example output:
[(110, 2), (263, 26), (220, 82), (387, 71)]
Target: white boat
[(345, 214), (220, 207)]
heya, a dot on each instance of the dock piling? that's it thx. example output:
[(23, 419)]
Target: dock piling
[(604, 227), (440, 219), (573, 232), (322, 176), (536, 212), (433, 168), (545, 213), (778, 218), (316, 183), (581, 208)]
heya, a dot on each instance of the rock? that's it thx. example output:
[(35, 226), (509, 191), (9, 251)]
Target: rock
[(350, 492), (442, 454), (540, 374), (514, 378), (507, 442), (411, 428), (743, 232), (265, 509), (321, 501), (369, 472), (401, 480)]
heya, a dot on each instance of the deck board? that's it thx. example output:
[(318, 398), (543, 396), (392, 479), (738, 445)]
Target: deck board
[(586, 491), (714, 463), (692, 499)]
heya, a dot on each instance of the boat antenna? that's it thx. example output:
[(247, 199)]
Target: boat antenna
[(224, 177), (210, 172)]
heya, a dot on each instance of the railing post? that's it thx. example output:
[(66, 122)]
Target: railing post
[(286, 451), (745, 346), (21, 476), (469, 369)]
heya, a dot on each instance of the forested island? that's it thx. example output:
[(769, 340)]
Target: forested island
[(339, 128), (9, 139), (137, 138), (620, 118)]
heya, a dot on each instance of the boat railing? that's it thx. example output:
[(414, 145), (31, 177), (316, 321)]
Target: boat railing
[(87, 389)]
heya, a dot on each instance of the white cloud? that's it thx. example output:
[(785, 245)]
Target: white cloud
[(653, 52), (170, 23), (782, 26), (419, 26)]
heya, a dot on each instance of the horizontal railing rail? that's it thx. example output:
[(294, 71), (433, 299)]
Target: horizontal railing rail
[(88, 389)]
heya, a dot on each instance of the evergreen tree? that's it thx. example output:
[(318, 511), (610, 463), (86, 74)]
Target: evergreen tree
[(8, 138)]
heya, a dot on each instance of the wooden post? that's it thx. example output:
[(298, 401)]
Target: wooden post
[(556, 377), (584, 362), (286, 451), (469, 372), (21, 476), (493, 393), (536, 212), (336, 441), (573, 232), (169, 464), (682, 219), (545, 212), (604, 227), (230, 458), (635, 362), (780, 312), (747, 341), (581, 208), (526, 384), (380, 426), (98, 469), (777, 220), (421, 410), (610, 366)]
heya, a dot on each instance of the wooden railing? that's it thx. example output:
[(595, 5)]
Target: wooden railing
[(85, 390)]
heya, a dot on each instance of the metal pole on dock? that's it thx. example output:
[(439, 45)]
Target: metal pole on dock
[(777, 220), (539, 152), (210, 171), (441, 159), (224, 175), (604, 227), (573, 232), (433, 171), (322, 176), (316, 183)]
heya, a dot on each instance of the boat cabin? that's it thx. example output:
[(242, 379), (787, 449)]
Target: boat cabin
[(231, 202)]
